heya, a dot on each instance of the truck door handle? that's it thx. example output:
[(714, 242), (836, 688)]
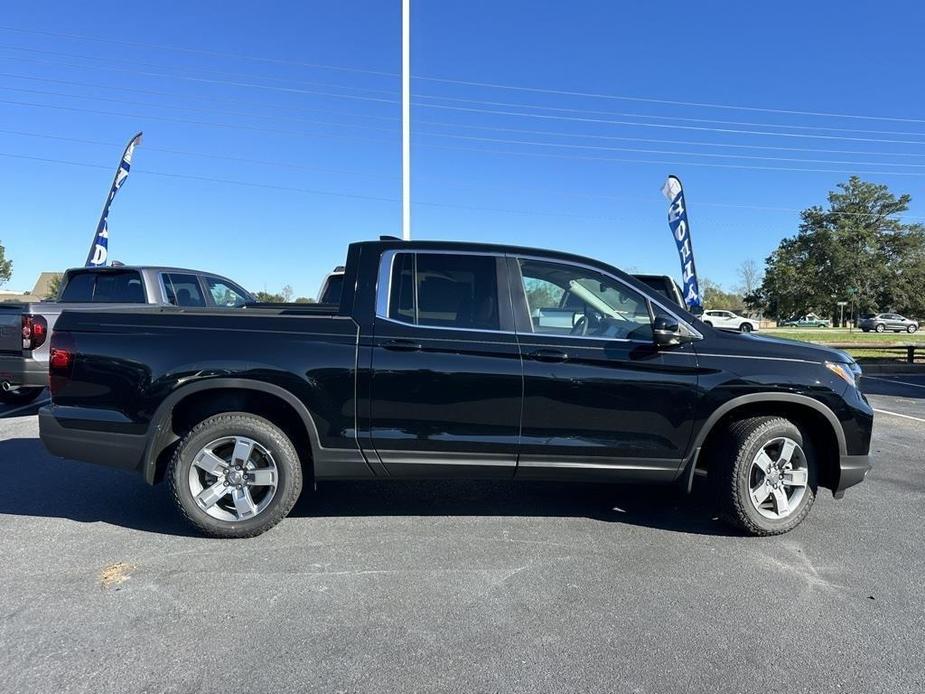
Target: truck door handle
[(402, 346), (548, 355)]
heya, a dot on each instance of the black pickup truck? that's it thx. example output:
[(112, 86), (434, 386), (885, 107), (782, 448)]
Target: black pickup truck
[(454, 359)]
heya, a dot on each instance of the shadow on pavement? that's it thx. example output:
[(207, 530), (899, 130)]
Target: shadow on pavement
[(37, 484), (26, 409)]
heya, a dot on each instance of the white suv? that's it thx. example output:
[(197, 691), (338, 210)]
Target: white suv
[(727, 320)]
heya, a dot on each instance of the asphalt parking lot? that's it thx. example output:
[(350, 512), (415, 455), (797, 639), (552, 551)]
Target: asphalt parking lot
[(479, 587)]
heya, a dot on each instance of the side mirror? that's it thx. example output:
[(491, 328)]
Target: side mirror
[(666, 332)]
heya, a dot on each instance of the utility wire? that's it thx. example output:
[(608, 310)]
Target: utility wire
[(531, 143), (593, 136), (310, 191), (458, 183), (256, 85), (468, 83)]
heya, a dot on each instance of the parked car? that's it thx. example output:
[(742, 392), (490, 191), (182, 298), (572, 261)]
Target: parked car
[(25, 327), (451, 360), (881, 322), (729, 320), (810, 320)]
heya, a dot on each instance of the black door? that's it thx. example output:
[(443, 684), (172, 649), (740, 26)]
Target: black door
[(598, 395), (446, 377)]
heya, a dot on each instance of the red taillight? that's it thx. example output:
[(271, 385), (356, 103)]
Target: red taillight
[(34, 331), (60, 360)]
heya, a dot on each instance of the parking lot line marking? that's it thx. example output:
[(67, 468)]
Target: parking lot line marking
[(897, 414), (25, 407), (891, 380)]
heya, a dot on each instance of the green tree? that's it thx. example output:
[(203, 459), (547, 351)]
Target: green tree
[(856, 246), (715, 297), (54, 287), (6, 266), (268, 298)]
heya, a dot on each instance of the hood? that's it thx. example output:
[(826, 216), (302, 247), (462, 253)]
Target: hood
[(756, 345)]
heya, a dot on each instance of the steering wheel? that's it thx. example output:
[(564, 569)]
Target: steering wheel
[(580, 327), (588, 324)]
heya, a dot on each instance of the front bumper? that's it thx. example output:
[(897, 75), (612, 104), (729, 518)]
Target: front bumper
[(852, 470), (69, 437), (23, 371)]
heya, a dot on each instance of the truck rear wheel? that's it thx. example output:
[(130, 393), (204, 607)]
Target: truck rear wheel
[(235, 475), (765, 476)]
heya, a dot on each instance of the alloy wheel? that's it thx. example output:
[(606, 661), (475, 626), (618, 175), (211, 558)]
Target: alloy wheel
[(233, 478), (778, 477)]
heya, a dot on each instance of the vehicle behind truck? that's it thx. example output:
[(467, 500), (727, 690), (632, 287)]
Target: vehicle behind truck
[(25, 327), (458, 360)]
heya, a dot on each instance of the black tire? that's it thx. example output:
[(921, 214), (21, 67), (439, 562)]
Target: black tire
[(271, 438), (706, 322), (745, 328), (865, 330), (880, 327), (19, 396), (912, 328), (731, 474)]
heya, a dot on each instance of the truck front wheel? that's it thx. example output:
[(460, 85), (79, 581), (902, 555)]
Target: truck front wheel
[(765, 475), (235, 475)]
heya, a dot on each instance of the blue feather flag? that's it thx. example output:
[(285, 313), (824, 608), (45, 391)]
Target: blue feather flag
[(680, 229), (99, 249)]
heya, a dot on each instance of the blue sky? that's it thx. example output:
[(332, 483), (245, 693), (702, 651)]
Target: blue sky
[(259, 164)]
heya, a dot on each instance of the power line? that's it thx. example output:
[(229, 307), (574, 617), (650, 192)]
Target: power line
[(594, 136), (468, 83), (464, 137), (202, 51), (210, 124), (248, 114), (572, 118), (671, 126), (672, 102), (205, 155), (455, 182), (185, 97), (202, 80), (311, 191), (255, 85), (629, 161), (561, 109), (675, 162)]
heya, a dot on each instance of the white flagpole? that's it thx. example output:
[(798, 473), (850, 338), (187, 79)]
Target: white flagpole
[(406, 120)]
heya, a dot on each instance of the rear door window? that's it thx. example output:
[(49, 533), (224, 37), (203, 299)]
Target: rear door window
[(182, 289), (445, 290)]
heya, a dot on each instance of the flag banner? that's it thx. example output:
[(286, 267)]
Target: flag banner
[(99, 249), (680, 229)]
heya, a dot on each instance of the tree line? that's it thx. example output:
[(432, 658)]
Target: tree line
[(856, 249)]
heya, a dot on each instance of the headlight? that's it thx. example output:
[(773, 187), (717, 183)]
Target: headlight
[(850, 373)]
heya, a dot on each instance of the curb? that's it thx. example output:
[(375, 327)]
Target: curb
[(892, 368)]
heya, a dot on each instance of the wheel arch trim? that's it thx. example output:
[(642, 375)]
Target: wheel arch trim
[(757, 398), (160, 433)]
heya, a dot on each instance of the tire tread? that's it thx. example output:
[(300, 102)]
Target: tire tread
[(222, 529)]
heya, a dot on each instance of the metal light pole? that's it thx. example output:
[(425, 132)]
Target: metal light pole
[(406, 120)]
